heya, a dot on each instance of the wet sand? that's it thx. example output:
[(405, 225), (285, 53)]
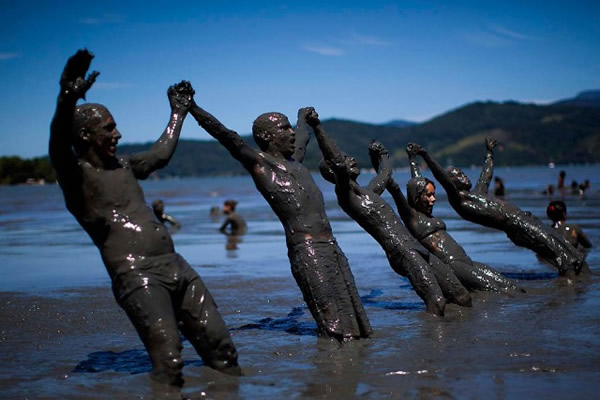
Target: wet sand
[(79, 344), (62, 336)]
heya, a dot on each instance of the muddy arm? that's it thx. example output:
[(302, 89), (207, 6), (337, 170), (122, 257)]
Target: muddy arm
[(487, 171), (302, 134), (407, 213), (332, 155), (159, 155), (415, 171), (228, 138), (583, 239), (172, 221), (73, 86), (226, 223), (381, 162), (438, 172)]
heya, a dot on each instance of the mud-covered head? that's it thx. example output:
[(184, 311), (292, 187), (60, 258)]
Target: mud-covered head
[(229, 206), (349, 163), (273, 133), (459, 178), (420, 193), (158, 207), (557, 211), (95, 129)]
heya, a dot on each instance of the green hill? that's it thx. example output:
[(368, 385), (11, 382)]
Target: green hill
[(566, 132), (528, 135)]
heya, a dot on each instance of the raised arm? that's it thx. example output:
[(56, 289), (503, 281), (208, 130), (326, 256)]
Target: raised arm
[(381, 162), (407, 213), (438, 172), (159, 155), (332, 155), (302, 134), (238, 148), (487, 171), (172, 220), (415, 172), (73, 86)]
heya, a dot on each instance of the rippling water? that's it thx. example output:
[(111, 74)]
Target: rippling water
[(62, 335)]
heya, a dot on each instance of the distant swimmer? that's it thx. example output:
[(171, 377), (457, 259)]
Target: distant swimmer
[(158, 206), (234, 224), (557, 212), (499, 190)]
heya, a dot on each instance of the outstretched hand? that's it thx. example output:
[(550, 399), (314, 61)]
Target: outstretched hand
[(414, 149), (376, 152), (490, 143), (181, 96), (72, 80), (376, 149), (303, 112), (312, 118)]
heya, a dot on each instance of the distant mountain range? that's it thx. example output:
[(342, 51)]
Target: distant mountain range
[(589, 98), (400, 123), (567, 131)]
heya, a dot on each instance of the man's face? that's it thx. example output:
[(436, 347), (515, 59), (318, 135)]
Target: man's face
[(427, 200), (283, 138), (103, 135), (460, 180), (352, 166)]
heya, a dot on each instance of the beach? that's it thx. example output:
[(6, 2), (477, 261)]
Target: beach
[(63, 335)]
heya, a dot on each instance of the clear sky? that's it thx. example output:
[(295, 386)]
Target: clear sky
[(370, 61)]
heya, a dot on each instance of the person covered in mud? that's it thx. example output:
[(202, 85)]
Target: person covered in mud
[(432, 280), (156, 287), (319, 266), (416, 211), (523, 228), (557, 212), (158, 206), (499, 190), (234, 224)]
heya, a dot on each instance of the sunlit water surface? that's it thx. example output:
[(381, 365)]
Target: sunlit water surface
[(63, 336)]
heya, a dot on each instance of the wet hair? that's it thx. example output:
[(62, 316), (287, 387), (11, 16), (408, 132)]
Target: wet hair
[(231, 203), (262, 128), (556, 210), (158, 205), (415, 188), (86, 115), (456, 173)]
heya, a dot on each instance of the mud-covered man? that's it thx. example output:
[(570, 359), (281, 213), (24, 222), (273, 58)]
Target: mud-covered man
[(318, 264), (154, 285)]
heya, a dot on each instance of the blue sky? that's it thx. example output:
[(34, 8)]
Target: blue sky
[(370, 61)]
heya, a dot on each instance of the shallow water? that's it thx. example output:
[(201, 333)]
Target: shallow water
[(63, 336)]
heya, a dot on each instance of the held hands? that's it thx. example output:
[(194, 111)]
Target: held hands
[(376, 149), (490, 144), (303, 112), (376, 153), (72, 80), (312, 118), (414, 149), (181, 96)]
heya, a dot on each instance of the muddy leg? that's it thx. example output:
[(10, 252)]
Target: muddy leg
[(203, 326), (424, 282), (454, 291), (151, 312)]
